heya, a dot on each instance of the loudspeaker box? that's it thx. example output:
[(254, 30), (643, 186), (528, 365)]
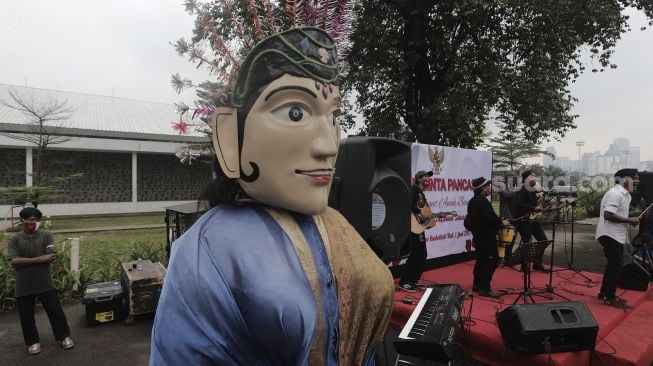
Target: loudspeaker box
[(548, 327), (371, 189), (634, 277)]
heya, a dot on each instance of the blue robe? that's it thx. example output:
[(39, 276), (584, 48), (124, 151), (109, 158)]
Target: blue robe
[(236, 294)]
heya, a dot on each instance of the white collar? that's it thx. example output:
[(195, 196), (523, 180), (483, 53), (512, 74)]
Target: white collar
[(621, 189)]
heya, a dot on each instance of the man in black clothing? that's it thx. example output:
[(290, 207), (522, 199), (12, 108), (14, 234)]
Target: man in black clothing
[(484, 224), (414, 265), (30, 253), (525, 203)]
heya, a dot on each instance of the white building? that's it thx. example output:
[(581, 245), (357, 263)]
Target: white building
[(125, 149)]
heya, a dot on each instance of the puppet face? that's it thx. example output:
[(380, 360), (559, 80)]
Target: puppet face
[(291, 134)]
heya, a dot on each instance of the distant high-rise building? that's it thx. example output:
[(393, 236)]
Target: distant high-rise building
[(548, 160)]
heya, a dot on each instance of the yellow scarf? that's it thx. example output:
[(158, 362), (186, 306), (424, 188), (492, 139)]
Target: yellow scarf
[(364, 285)]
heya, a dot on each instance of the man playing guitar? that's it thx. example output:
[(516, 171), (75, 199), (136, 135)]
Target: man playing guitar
[(525, 208), (415, 263)]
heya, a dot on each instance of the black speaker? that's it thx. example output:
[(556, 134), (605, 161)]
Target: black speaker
[(371, 188), (634, 277), (548, 327)]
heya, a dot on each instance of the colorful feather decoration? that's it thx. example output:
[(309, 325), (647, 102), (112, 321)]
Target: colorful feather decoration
[(333, 16)]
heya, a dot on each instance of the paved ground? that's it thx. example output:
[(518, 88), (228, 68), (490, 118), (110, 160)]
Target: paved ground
[(108, 344), (126, 345)]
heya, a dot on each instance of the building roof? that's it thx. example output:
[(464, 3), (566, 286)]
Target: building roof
[(99, 116)]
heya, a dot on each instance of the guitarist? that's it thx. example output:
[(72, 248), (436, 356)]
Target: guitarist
[(484, 223), (414, 265), (525, 203)]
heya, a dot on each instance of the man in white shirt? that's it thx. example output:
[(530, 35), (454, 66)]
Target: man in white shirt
[(612, 232)]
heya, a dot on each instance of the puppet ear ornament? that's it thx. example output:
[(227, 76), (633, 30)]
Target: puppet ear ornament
[(225, 140)]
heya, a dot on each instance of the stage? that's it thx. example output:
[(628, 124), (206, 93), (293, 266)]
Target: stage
[(625, 337)]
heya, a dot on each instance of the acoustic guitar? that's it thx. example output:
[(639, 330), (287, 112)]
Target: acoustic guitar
[(428, 220)]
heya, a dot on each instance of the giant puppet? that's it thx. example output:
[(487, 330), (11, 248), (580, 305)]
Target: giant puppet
[(271, 275)]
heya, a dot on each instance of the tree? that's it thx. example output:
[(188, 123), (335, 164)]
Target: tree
[(226, 30), (44, 116), (554, 171), (439, 70), (509, 150)]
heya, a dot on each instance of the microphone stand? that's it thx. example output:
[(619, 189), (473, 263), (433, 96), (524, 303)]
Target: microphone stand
[(549, 286), (570, 265)]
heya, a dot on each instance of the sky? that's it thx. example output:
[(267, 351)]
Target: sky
[(122, 48)]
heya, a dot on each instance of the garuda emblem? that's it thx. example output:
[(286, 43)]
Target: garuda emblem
[(437, 157)]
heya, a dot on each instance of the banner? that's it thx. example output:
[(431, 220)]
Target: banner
[(449, 189)]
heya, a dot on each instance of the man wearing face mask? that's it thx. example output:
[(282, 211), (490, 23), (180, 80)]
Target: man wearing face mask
[(484, 224), (30, 253), (525, 206)]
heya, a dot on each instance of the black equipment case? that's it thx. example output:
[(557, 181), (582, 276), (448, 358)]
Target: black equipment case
[(103, 302)]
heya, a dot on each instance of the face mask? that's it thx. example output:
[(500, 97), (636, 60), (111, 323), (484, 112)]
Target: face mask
[(30, 226)]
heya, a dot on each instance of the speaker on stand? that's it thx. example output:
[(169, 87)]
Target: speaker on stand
[(371, 188)]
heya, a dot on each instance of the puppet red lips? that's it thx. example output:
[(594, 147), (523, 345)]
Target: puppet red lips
[(318, 175)]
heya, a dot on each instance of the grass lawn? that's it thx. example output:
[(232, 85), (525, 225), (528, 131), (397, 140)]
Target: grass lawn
[(106, 221), (119, 243)]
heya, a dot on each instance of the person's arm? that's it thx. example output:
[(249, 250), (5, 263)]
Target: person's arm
[(612, 204), (610, 216), (49, 243), (21, 261), (13, 255)]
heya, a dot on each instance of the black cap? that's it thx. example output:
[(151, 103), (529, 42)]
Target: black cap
[(423, 173), (627, 172)]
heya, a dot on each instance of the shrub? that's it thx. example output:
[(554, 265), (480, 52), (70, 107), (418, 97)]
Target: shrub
[(152, 250), (7, 283), (590, 202), (64, 277)]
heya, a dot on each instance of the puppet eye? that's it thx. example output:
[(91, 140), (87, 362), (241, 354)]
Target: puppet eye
[(293, 113)]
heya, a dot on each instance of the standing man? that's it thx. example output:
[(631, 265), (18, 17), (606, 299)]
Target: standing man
[(612, 232), (525, 204), (31, 252), (484, 224), (414, 265)]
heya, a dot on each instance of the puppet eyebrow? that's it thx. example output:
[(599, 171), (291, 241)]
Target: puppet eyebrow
[(286, 87)]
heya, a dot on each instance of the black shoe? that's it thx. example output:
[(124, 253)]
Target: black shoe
[(407, 287), (617, 303), (489, 293), (603, 297), (475, 288), (539, 267), (417, 286)]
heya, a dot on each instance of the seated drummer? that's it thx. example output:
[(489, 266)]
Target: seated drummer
[(484, 224)]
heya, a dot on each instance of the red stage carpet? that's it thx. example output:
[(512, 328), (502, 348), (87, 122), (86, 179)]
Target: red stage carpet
[(625, 337)]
